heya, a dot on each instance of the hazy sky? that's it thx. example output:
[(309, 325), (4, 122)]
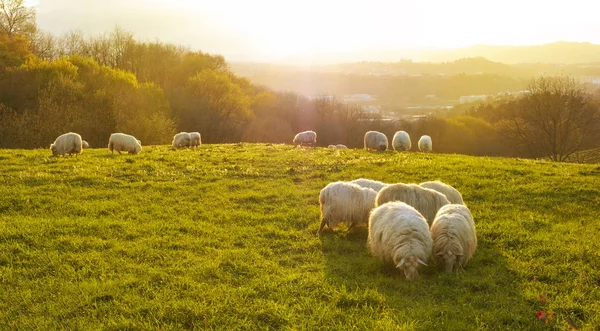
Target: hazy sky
[(274, 29)]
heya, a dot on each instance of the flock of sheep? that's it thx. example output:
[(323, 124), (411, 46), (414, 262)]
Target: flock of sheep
[(408, 223), (374, 140)]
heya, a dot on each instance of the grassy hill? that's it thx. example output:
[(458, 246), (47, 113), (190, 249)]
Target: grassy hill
[(224, 238)]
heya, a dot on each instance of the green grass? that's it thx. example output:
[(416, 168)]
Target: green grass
[(224, 238)]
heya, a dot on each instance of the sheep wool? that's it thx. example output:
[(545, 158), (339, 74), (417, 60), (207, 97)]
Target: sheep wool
[(401, 141), (343, 202), (398, 233), (375, 140), (305, 138), (454, 237), (196, 139), (425, 200), (122, 142), (182, 139), (68, 143), (425, 144), (450, 192), (374, 184)]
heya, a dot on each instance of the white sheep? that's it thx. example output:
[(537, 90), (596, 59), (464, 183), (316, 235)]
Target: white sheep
[(425, 200), (340, 146), (425, 144), (450, 192), (85, 144), (454, 236), (376, 141), (343, 202), (124, 142), (68, 143), (331, 146), (305, 138), (401, 141), (398, 233), (373, 184), (196, 139), (182, 139)]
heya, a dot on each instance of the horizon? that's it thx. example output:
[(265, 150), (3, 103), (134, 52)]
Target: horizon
[(268, 31)]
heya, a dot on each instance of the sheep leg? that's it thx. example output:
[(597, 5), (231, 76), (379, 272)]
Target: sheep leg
[(322, 226)]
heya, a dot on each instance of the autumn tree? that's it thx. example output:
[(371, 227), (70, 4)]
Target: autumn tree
[(556, 119), (16, 18)]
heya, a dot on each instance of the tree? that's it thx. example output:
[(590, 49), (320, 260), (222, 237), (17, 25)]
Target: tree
[(15, 18), (556, 119)]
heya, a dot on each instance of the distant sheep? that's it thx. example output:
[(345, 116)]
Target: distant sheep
[(122, 142), (182, 139), (398, 233), (340, 146), (425, 144), (450, 192), (426, 201), (454, 236), (343, 202), (85, 144), (401, 141), (306, 138), (376, 141), (331, 146), (68, 143), (196, 139), (374, 184)]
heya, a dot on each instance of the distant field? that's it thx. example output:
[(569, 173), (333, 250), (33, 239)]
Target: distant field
[(224, 238)]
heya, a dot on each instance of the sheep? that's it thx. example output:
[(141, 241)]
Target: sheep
[(450, 192), (331, 146), (401, 141), (425, 144), (196, 139), (85, 144), (124, 142), (182, 139), (340, 146), (425, 200), (373, 184), (376, 141), (398, 233), (68, 143), (305, 138), (343, 202), (454, 236)]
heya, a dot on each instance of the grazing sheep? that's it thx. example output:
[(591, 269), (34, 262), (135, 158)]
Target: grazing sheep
[(399, 234), (425, 200), (124, 142), (331, 146), (196, 139), (85, 144), (374, 184), (450, 192), (182, 139), (401, 141), (343, 202), (376, 141), (306, 138), (454, 236), (68, 143), (340, 146), (425, 144)]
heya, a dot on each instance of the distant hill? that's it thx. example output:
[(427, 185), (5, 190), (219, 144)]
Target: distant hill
[(558, 53)]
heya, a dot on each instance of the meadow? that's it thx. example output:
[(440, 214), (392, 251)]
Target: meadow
[(224, 237)]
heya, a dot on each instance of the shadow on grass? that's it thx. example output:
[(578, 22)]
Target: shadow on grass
[(486, 293)]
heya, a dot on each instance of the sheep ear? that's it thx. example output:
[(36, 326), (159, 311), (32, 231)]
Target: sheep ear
[(421, 262), (400, 264)]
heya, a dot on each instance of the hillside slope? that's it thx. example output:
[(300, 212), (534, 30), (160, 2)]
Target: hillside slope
[(224, 238)]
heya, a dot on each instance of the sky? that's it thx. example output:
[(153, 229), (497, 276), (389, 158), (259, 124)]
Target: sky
[(270, 30)]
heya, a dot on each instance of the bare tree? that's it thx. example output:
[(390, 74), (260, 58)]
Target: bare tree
[(16, 18), (556, 119)]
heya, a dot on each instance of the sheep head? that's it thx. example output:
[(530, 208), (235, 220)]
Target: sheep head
[(448, 260), (410, 264), (54, 150)]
